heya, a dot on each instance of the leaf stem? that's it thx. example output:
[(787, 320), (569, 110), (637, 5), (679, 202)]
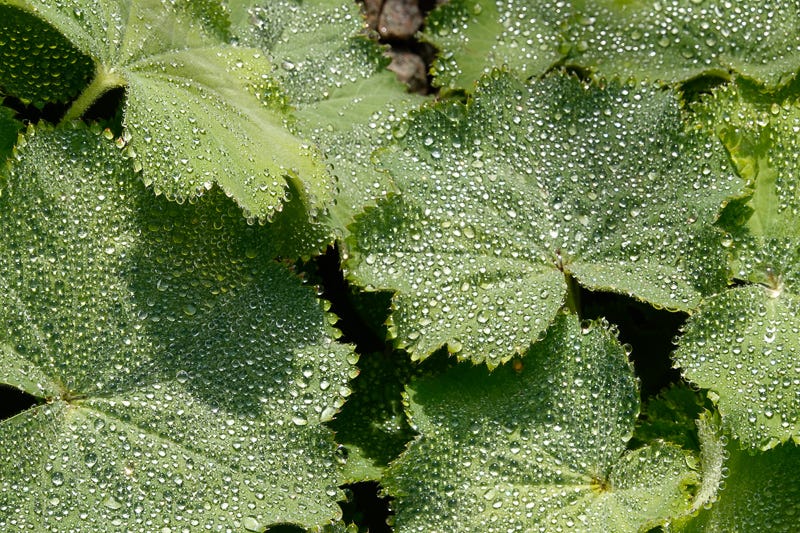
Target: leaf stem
[(573, 294), (104, 81)]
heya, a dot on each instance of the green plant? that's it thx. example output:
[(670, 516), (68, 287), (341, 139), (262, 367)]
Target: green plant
[(202, 166)]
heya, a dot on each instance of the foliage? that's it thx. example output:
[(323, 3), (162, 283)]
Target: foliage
[(179, 371)]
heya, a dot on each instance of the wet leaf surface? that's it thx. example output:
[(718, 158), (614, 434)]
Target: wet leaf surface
[(185, 375)]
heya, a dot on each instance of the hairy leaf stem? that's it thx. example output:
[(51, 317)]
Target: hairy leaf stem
[(104, 81), (573, 294)]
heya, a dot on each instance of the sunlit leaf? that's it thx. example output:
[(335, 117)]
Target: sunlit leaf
[(182, 374), (678, 40), (536, 446), (743, 344), (505, 202), (475, 36), (199, 112), (346, 101), (644, 40)]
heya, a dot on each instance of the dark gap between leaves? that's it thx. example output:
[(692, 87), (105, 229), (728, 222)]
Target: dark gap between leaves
[(648, 330), (694, 89), (366, 508), (30, 114), (107, 110), (368, 333), (425, 51), (285, 528), (13, 401)]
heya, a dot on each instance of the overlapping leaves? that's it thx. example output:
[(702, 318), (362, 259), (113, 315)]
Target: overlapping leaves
[(346, 102), (678, 40), (538, 446), (504, 202), (199, 111), (651, 40), (475, 36), (182, 375), (743, 344), (760, 494)]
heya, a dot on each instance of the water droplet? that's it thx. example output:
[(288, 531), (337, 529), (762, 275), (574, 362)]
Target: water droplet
[(112, 503)]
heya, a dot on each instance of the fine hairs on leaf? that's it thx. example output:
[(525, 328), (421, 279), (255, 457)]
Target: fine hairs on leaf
[(250, 283)]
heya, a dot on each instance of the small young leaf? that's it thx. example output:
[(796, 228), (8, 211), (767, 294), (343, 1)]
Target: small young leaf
[(538, 446), (184, 375), (372, 425), (670, 416), (9, 131), (505, 202)]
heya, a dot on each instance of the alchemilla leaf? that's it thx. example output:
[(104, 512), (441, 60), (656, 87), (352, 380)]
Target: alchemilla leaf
[(9, 131), (506, 201), (681, 39), (182, 375), (743, 343), (199, 111), (346, 101), (537, 446), (476, 36), (648, 40), (760, 493), (37, 63)]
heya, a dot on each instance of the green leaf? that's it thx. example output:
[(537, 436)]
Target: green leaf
[(183, 376), (743, 346), (506, 202), (679, 40), (372, 425), (346, 102), (670, 416), (476, 36), (642, 40), (743, 343), (38, 64), (760, 494), (537, 446), (199, 111), (9, 131)]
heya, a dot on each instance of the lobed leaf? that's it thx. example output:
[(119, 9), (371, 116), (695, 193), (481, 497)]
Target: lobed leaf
[(182, 375), (760, 494), (682, 39), (743, 343), (669, 42), (38, 64), (475, 37), (536, 446), (199, 111), (506, 201), (346, 101)]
